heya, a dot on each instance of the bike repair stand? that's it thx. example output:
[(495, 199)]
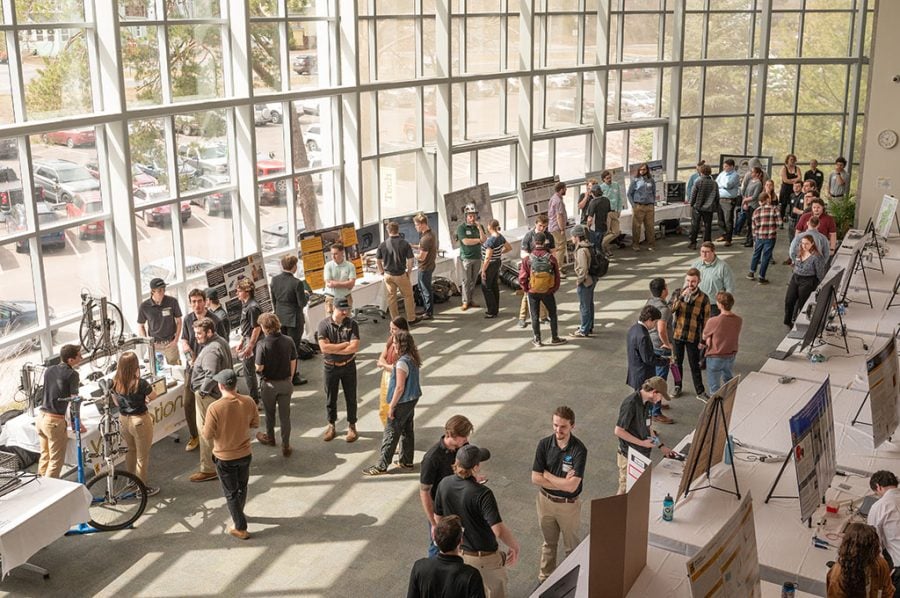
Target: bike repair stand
[(707, 438), (82, 528)]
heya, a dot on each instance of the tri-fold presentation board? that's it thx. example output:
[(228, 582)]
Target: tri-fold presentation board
[(315, 250), (223, 279)]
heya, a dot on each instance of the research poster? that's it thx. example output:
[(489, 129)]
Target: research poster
[(224, 279), (728, 565), (536, 196), (812, 436), (637, 465), (886, 214), (315, 251), (884, 389), (455, 204), (657, 171)]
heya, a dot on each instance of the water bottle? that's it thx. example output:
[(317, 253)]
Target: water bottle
[(159, 362), (728, 450), (788, 589), (668, 507)]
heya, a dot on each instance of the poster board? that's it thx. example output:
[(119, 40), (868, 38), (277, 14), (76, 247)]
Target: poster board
[(812, 438), (742, 163), (637, 465), (705, 447), (618, 549), (315, 251), (368, 238), (618, 176), (884, 390), (224, 279), (657, 171), (884, 219), (455, 204), (408, 226), (536, 196), (728, 565)]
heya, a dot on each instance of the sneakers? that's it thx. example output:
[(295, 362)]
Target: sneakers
[(558, 341), (522, 324), (677, 392), (265, 439), (663, 419), (329, 433), (763, 281), (298, 381), (152, 490), (240, 534), (351, 433), (203, 476), (751, 276), (192, 444), (578, 334), (286, 450), (703, 397), (545, 320), (374, 470), (490, 316), (537, 342), (405, 465)]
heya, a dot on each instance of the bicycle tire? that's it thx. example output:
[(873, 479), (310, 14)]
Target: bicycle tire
[(86, 333), (123, 508), (116, 324)]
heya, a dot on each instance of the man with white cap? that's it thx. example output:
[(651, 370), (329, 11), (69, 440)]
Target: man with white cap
[(470, 235), (461, 494)]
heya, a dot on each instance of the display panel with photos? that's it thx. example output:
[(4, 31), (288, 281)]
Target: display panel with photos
[(315, 251)]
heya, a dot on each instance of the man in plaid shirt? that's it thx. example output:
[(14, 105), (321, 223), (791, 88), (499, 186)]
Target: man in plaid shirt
[(766, 220), (690, 309)]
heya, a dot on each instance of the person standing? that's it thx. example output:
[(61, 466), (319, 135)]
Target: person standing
[(445, 575), (131, 394), (839, 180), (61, 381), (214, 357), (827, 226), (585, 283), (642, 195), (159, 317), (820, 240), (492, 253), (612, 191), (809, 270), (715, 274), (404, 391), (461, 494), (340, 278), (470, 235), (276, 358), (860, 571), (556, 214), (729, 183), (228, 424), (692, 180), (633, 425), (191, 349), (288, 301), (766, 220), (884, 516), (386, 361), (749, 203), (539, 278), (644, 361), (795, 209), (338, 338), (426, 256), (584, 199), (250, 332), (395, 262), (216, 308), (704, 202), (540, 226), (437, 464), (720, 337), (598, 221), (790, 173), (815, 175), (690, 308), (558, 471)]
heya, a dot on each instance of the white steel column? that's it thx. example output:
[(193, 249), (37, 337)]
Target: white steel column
[(350, 153), (526, 97)]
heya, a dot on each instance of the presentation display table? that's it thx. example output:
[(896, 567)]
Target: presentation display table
[(37, 513), (672, 211), (847, 371)]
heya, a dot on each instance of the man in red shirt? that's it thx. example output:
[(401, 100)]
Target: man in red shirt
[(827, 225)]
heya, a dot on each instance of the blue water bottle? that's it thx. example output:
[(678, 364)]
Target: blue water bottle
[(668, 507), (788, 590), (159, 362)]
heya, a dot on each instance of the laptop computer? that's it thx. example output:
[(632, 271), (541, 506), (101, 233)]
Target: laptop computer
[(866, 505), (782, 355)]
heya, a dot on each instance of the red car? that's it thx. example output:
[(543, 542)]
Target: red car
[(86, 202), (160, 214), (273, 191), (70, 137)]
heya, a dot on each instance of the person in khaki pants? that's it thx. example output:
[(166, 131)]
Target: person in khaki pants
[(395, 262), (132, 393), (214, 357), (558, 470), (61, 381)]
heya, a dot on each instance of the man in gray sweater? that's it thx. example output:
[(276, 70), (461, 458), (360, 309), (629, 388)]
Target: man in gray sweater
[(215, 356)]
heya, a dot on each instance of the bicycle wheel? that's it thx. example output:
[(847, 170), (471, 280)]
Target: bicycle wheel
[(115, 323), (116, 502), (88, 330)]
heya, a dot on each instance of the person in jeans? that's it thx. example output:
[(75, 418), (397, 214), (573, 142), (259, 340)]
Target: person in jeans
[(404, 391), (131, 394), (556, 214), (809, 269), (704, 200), (427, 255), (395, 262), (715, 274), (250, 331), (492, 253), (276, 362), (729, 183), (690, 308), (661, 338), (470, 235), (338, 338), (766, 220), (228, 424), (541, 268), (585, 283), (540, 226), (386, 361), (751, 191), (720, 337), (642, 195)]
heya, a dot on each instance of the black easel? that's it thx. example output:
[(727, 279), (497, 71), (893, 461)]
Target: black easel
[(873, 241), (894, 294), (771, 495), (708, 437), (858, 411), (860, 266), (832, 300)]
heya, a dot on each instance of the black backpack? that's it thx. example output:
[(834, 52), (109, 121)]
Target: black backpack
[(599, 265)]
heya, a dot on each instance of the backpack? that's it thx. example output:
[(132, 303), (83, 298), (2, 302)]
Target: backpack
[(541, 279), (599, 265)]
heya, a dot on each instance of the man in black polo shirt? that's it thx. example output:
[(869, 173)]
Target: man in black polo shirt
[(461, 494), (338, 338), (61, 381), (159, 317), (447, 575), (437, 464), (558, 470), (633, 426), (250, 331), (276, 362), (395, 261)]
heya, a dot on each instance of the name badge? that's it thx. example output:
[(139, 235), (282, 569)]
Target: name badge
[(167, 312), (649, 421)]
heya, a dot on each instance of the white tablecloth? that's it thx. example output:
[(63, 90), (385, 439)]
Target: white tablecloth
[(36, 514)]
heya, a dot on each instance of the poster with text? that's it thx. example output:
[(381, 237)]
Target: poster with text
[(728, 565), (884, 389), (536, 196), (455, 204), (657, 171), (886, 214), (742, 163), (315, 251), (637, 465), (224, 279), (812, 436)]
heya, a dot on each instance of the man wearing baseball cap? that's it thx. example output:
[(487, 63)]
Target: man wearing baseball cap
[(159, 317), (338, 338), (228, 424), (461, 494), (470, 235), (633, 426)]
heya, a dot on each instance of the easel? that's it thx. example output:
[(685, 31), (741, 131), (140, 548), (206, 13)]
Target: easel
[(873, 241), (704, 439), (832, 300), (894, 293), (790, 457), (858, 411), (859, 265)]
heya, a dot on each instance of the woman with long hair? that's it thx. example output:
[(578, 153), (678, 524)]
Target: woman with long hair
[(404, 391), (860, 571), (809, 269), (789, 174), (492, 251), (132, 393), (386, 361), (642, 195)]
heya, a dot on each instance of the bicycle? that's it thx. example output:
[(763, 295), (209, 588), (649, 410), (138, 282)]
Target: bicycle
[(101, 330), (118, 498)]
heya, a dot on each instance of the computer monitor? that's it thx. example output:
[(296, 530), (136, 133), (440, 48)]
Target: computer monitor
[(408, 227), (368, 237), (826, 295)]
